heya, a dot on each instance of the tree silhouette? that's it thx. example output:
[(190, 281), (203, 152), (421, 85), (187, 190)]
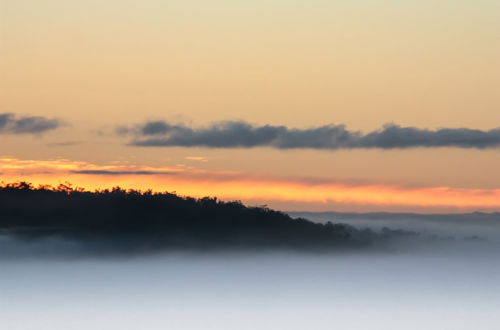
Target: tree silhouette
[(133, 220)]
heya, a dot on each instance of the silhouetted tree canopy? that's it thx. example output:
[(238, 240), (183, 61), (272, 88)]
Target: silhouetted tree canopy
[(142, 221)]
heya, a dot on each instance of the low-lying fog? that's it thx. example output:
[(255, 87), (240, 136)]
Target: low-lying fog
[(486, 225), (452, 284)]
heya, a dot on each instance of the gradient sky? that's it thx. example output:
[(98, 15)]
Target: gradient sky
[(98, 65)]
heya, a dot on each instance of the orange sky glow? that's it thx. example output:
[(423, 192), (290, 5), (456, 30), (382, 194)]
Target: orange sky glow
[(76, 76), (306, 193)]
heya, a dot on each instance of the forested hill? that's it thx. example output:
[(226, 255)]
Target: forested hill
[(131, 220)]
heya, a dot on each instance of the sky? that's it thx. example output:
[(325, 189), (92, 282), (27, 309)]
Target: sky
[(316, 105)]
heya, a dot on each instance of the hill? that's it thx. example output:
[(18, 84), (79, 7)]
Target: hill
[(119, 220)]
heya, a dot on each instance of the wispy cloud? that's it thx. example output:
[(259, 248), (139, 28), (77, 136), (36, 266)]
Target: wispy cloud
[(61, 166), (240, 134), (197, 159), (118, 172), (14, 124)]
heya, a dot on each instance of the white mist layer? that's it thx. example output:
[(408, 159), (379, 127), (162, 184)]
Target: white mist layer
[(482, 225), (258, 292)]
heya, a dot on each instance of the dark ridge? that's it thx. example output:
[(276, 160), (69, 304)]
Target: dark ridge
[(491, 218), (132, 221)]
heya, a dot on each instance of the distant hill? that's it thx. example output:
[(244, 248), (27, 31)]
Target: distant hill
[(119, 220), (492, 218)]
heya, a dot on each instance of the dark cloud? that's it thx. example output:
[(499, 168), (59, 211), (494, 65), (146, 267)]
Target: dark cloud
[(239, 134), (156, 127), (219, 135), (104, 172), (394, 136), (12, 124), (64, 144)]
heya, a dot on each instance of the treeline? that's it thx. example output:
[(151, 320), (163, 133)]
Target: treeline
[(142, 221)]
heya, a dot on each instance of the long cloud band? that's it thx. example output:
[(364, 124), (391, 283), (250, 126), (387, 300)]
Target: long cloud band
[(239, 134)]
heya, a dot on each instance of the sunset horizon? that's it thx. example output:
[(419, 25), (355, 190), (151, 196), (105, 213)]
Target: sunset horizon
[(249, 165)]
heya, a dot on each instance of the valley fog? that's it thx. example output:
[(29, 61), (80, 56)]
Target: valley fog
[(275, 290), (440, 279)]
